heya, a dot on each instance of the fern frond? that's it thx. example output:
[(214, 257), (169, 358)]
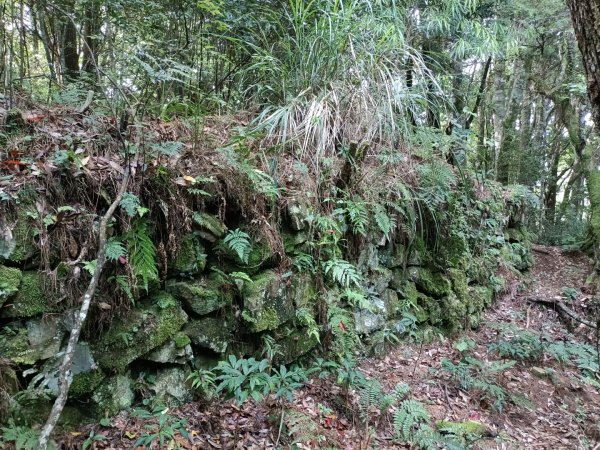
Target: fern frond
[(239, 242), (115, 249), (384, 221), (359, 217), (342, 272), (142, 253), (408, 418)]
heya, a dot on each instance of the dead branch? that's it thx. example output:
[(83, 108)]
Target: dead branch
[(540, 249), (562, 309), (65, 376)]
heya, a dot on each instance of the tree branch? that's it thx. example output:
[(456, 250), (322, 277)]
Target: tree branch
[(65, 376), (562, 309)]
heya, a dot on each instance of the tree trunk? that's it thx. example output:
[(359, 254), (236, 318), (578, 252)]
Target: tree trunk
[(586, 22)]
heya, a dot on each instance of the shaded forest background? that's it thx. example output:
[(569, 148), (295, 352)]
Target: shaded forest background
[(497, 87)]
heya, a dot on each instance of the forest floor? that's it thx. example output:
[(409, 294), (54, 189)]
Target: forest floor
[(558, 408)]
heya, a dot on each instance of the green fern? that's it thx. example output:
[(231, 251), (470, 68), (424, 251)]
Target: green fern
[(306, 318), (384, 221), (130, 203), (142, 254), (115, 249), (401, 390), (359, 217), (303, 262), (239, 242), (342, 272), (408, 418)]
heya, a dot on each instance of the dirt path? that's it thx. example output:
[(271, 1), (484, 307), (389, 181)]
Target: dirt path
[(546, 404)]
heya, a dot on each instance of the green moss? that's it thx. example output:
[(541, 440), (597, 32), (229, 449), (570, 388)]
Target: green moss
[(455, 313), (480, 297), (146, 328), (31, 299), (10, 279), (201, 296), (268, 302), (85, 383), (292, 240), (190, 258), (468, 428), (425, 308), (295, 343), (431, 283), (15, 346), (181, 340)]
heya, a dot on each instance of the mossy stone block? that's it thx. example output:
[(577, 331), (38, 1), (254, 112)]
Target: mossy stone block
[(201, 296), (10, 280), (190, 259), (114, 394), (85, 383), (31, 299), (17, 236), (267, 302), (431, 283), (213, 333), (212, 228), (150, 325)]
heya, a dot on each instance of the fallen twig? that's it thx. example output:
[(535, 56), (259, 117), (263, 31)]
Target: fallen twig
[(562, 309)]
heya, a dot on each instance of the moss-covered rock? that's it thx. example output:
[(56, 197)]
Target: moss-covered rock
[(295, 343), (175, 351), (460, 282), (38, 340), (297, 213), (431, 283), (213, 333), (211, 227), (393, 255), (114, 394), (190, 258), (201, 296), (147, 327), (480, 297), (454, 312), (10, 279), (424, 308), (267, 302), (31, 299), (519, 234), (380, 279), (392, 302), (85, 383), (17, 236), (469, 428), (170, 387), (303, 291), (368, 259), (291, 241), (368, 321)]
